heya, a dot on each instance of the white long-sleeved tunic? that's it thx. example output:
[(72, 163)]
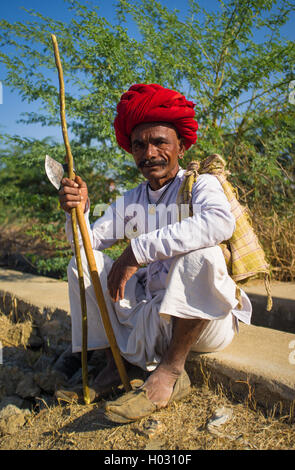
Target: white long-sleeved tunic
[(158, 236)]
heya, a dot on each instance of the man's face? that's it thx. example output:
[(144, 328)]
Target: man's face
[(156, 148)]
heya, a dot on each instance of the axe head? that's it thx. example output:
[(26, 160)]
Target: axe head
[(54, 171)]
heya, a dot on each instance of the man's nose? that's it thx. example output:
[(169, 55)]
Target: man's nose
[(150, 151)]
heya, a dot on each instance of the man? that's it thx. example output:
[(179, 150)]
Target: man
[(169, 291)]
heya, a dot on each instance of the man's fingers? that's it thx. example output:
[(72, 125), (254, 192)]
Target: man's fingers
[(115, 297), (117, 293), (69, 190), (69, 182), (69, 205), (68, 197), (114, 284), (119, 274), (80, 182), (111, 286), (76, 183), (72, 193), (121, 291), (114, 294)]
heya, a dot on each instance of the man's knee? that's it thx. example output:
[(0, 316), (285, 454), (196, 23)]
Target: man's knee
[(208, 259), (217, 335), (211, 253)]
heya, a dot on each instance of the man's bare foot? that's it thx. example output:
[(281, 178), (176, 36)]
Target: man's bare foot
[(159, 385)]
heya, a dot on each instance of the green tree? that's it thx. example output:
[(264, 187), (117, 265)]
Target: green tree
[(30, 201), (233, 63)]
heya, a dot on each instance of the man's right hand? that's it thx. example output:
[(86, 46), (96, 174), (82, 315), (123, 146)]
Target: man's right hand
[(73, 193)]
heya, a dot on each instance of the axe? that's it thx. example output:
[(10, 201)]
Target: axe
[(55, 173)]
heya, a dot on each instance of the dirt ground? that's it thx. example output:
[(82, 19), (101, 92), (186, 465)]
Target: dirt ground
[(15, 245), (182, 426)]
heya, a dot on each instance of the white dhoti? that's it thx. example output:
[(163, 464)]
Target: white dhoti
[(197, 286)]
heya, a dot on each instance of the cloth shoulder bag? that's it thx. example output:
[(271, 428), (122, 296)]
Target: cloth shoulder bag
[(244, 255)]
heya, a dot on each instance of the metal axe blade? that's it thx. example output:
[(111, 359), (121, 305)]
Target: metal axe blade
[(54, 171)]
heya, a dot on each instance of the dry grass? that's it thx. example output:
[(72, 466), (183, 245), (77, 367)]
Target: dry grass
[(15, 335), (182, 426), (277, 235)]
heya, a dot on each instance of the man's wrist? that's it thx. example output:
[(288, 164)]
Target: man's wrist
[(132, 261), (138, 253)]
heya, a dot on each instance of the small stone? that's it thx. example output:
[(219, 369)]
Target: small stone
[(68, 363), (12, 418), (12, 410), (12, 400), (220, 416), (35, 341), (49, 380), (153, 427), (10, 376), (55, 335), (27, 388), (43, 363)]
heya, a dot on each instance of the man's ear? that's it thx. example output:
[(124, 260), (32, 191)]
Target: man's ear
[(181, 148)]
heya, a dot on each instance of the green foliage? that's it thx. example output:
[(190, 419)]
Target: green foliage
[(55, 266), (30, 200), (233, 63)]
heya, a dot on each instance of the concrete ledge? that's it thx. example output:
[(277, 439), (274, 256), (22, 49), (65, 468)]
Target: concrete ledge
[(257, 365), (282, 315), (39, 291), (44, 301)]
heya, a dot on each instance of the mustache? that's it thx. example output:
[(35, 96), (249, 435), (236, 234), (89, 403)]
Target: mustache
[(151, 163)]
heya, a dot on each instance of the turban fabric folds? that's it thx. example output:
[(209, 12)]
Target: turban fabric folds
[(154, 103)]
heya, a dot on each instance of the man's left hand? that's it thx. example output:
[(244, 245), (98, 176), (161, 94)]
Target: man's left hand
[(122, 270)]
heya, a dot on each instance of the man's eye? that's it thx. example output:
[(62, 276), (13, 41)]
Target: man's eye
[(136, 146), (161, 143)]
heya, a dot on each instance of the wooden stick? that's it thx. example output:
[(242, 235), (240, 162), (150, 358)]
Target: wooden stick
[(87, 244), (101, 300), (71, 174), (83, 307)]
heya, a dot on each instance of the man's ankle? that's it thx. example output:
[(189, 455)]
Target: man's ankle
[(172, 369)]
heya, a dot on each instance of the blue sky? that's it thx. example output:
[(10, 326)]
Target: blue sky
[(12, 106)]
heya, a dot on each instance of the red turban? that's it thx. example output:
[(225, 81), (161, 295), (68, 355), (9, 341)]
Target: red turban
[(154, 103)]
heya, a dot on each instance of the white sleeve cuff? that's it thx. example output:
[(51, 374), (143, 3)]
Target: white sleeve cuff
[(138, 252), (69, 231)]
